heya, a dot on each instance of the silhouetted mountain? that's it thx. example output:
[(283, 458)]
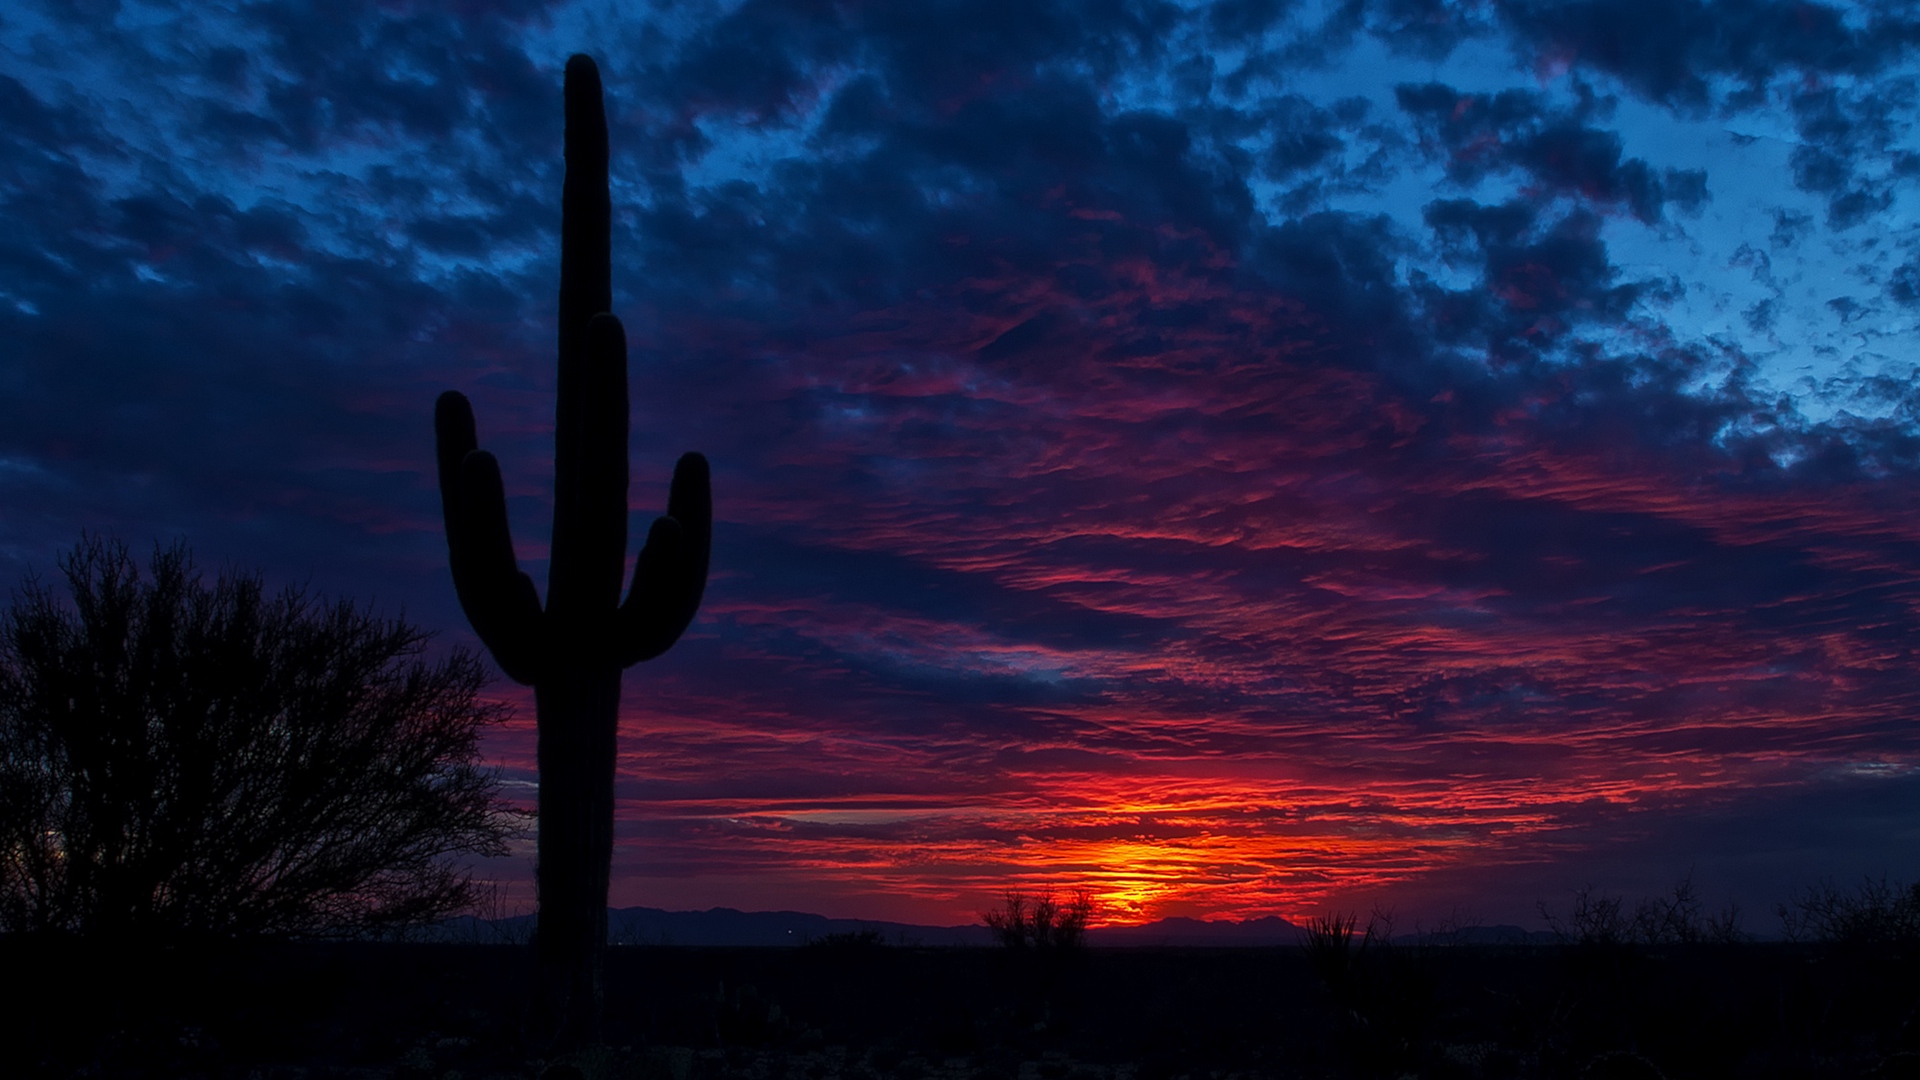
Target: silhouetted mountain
[(726, 926), (730, 927), (1272, 931), (1503, 934), (718, 926), (1198, 932)]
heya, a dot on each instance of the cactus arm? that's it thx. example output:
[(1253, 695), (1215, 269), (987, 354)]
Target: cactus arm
[(499, 600), (690, 502), (513, 622), (670, 576)]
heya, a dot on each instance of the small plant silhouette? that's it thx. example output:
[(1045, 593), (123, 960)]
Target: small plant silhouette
[(1384, 993), (850, 941), (1599, 920), (1042, 923), (1879, 912), (1333, 952), (573, 651), (1042, 938)]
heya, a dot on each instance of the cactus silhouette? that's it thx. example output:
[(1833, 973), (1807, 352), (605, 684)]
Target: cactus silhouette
[(573, 652)]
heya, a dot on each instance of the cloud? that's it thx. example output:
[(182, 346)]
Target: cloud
[(1738, 57), (1104, 488), (1672, 52), (1846, 140), (1483, 134)]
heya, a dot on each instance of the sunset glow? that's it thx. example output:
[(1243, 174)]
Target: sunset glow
[(1235, 458)]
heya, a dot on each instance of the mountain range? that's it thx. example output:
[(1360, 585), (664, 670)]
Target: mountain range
[(730, 927)]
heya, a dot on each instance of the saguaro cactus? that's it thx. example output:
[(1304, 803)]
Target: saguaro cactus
[(572, 652)]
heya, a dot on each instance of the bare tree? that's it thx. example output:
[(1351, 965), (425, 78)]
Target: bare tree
[(182, 761)]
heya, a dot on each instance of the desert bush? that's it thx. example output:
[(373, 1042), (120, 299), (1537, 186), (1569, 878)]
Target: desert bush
[(1877, 913), (1385, 994), (1456, 929), (863, 940), (1675, 919), (1595, 919), (1043, 923), (1331, 948), (184, 760)]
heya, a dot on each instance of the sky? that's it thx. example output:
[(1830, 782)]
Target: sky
[(1241, 458)]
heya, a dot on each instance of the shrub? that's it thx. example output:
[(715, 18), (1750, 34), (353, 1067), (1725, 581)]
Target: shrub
[(178, 760), (1878, 913), (859, 941), (1043, 923), (1333, 952), (1675, 919), (1457, 928)]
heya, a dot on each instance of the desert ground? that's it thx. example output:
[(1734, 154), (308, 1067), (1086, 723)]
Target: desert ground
[(865, 1010)]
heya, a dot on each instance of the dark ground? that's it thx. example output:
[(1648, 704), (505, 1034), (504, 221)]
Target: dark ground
[(453, 1012)]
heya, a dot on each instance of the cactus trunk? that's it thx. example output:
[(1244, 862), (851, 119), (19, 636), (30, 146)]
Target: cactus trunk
[(579, 713), (572, 651)]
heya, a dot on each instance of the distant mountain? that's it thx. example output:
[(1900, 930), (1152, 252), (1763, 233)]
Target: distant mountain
[(1198, 932), (716, 926), (726, 926), (1272, 931), (729, 927), (1503, 934)]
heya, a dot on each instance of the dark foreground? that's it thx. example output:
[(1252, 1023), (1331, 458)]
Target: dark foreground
[(454, 1012)]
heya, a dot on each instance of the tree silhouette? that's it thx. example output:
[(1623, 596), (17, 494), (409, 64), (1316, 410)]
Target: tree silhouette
[(179, 761), (573, 651)]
